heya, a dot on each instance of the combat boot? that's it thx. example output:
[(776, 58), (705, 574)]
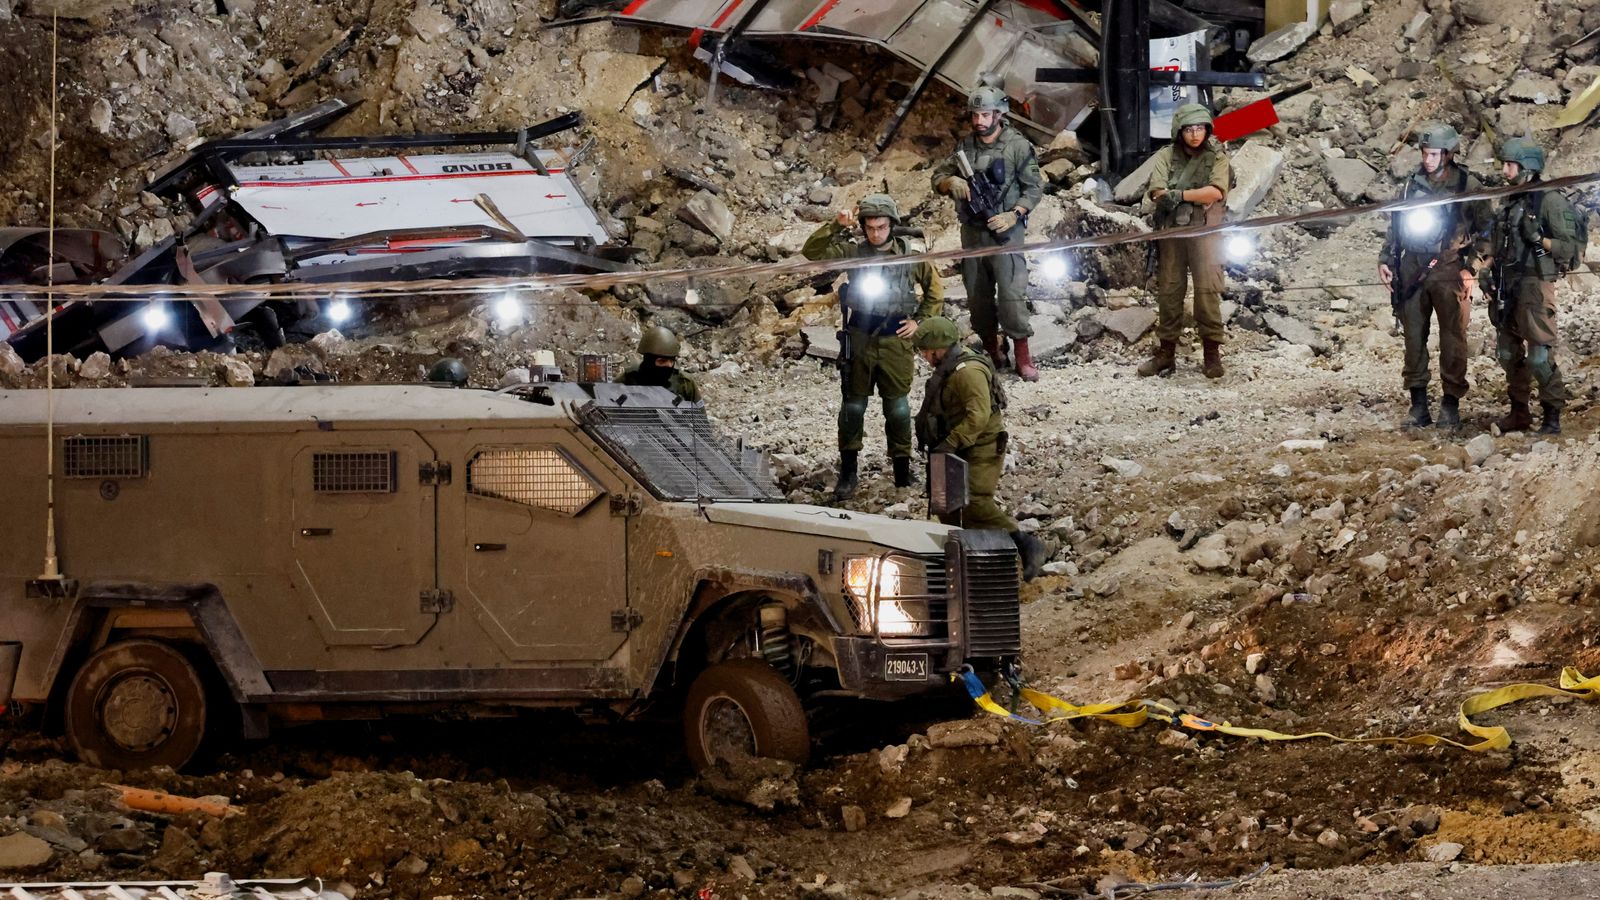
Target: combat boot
[(991, 346), (902, 472), (1419, 416), (1212, 367), (1449, 413), (1552, 420), (1517, 420), (1025, 368), (1161, 361), (1031, 551), (845, 488)]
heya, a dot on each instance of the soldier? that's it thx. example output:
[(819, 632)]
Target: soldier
[(962, 413), (993, 204), (1428, 264), (880, 310), (1188, 185), (1533, 231), (659, 348)]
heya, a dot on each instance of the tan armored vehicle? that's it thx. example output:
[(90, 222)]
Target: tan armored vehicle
[(291, 553)]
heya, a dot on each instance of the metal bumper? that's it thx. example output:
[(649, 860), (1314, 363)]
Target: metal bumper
[(863, 664)]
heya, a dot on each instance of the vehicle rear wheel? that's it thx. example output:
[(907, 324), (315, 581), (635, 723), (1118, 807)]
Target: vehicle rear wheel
[(136, 704), (741, 709)]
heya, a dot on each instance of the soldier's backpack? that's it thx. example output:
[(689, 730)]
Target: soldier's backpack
[(1580, 244)]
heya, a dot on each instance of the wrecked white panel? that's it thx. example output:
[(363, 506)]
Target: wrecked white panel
[(1012, 40), (340, 198)]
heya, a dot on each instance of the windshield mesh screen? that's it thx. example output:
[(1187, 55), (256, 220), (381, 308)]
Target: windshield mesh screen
[(675, 452)]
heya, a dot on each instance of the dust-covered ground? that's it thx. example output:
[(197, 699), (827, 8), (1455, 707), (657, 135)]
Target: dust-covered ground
[(1364, 580)]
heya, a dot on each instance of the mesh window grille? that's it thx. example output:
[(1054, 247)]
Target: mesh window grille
[(105, 455), (353, 472), (539, 477)]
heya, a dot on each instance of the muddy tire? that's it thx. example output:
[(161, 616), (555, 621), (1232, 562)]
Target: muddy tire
[(743, 708), (136, 704)]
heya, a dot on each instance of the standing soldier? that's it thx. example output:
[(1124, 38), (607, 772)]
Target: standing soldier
[(1188, 185), (994, 178), (962, 413), (659, 348), (1428, 264), (880, 308), (1535, 239)]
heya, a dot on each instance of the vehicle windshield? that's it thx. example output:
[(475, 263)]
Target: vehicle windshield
[(675, 452)]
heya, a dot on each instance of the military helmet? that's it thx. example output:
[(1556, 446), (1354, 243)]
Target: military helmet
[(1438, 136), (988, 97), (936, 333), (1191, 114), (878, 206), (1523, 152), (449, 371), (658, 340)]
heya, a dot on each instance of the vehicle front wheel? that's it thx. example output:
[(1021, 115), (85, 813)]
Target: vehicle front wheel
[(741, 709), (136, 704)]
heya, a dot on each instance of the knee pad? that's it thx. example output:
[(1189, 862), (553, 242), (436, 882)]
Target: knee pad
[(897, 408), (1505, 355), (855, 407), (1542, 362)]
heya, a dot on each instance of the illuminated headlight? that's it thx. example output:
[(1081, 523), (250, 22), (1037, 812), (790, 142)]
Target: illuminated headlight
[(880, 590), (1054, 267), (1240, 248), (339, 312), (873, 286), (508, 311), (155, 317), (1421, 223)]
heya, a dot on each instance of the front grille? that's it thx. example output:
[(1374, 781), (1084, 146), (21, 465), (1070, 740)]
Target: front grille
[(105, 455), (991, 609), (938, 590)]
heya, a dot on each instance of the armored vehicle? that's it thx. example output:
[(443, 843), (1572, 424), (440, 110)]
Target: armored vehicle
[(271, 554)]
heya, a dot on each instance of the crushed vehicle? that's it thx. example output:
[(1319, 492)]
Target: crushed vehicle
[(281, 204), (276, 554)]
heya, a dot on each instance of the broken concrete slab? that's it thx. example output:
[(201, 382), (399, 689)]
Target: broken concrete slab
[(827, 85), (1280, 43), (1131, 189), (429, 23), (1295, 331), (1531, 88), (1255, 169), (23, 851), (609, 79), (709, 214), (1420, 24), (1350, 178), (822, 341), (1346, 14), (1050, 335), (1131, 323)]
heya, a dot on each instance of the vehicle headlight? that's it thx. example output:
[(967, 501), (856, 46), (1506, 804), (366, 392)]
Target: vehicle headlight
[(882, 592)]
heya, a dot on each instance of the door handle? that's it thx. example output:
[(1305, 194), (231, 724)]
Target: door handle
[(487, 548), (315, 532)]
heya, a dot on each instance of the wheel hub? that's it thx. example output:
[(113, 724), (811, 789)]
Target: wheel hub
[(729, 736), (138, 711)]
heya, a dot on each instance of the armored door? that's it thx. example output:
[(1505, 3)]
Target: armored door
[(362, 529), (542, 560)]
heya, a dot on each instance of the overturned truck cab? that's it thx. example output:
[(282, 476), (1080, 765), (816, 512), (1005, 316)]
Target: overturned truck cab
[(275, 554)]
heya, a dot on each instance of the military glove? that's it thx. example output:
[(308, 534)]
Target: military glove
[(957, 187), (1168, 202), (1000, 223)]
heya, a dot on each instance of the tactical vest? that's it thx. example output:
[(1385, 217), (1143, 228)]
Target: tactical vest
[(933, 425), (1446, 236), (1187, 174), (1521, 256), (982, 155), (882, 315)]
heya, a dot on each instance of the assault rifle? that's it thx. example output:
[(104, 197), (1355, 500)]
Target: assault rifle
[(985, 189)]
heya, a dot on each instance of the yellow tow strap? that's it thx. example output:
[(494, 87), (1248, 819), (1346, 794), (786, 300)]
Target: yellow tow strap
[(1135, 712)]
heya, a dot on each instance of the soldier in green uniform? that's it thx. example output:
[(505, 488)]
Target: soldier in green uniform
[(996, 286), (659, 348), (1189, 185), (881, 308), (963, 413), (1428, 264), (1534, 234)]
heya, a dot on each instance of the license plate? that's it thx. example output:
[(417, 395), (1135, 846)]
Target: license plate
[(906, 667)]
